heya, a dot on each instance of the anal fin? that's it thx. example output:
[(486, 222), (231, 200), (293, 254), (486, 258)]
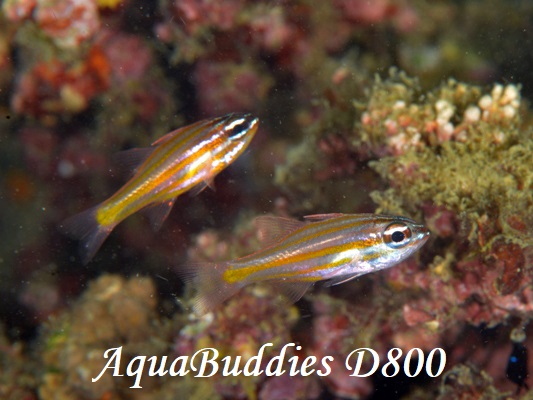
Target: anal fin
[(293, 290), (208, 183), (158, 213)]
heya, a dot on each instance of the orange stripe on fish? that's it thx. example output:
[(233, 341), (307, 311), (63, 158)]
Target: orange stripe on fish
[(187, 158), (332, 247)]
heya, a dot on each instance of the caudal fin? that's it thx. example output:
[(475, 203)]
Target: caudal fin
[(88, 231), (212, 289)]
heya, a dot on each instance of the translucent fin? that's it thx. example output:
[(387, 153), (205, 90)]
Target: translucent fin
[(322, 217), (88, 231), (212, 289), (342, 279), (293, 290), (131, 159), (210, 183), (158, 213), (270, 229)]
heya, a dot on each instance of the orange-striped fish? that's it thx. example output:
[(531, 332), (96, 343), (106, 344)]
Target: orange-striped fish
[(187, 158), (332, 247)]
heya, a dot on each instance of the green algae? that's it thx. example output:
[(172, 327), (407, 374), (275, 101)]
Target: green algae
[(483, 169)]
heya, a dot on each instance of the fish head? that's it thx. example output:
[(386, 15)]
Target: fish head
[(237, 133), (396, 238)]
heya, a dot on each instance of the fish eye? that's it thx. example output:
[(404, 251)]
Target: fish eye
[(397, 235), (240, 126)]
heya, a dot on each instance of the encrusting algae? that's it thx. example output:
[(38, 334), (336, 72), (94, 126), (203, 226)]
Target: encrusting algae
[(457, 157), (452, 156)]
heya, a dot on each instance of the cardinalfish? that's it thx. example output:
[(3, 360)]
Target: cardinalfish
[(184, 159), (329, 247)]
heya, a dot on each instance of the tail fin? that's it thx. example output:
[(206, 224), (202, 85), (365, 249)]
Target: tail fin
[(212, 289), (86, 228)]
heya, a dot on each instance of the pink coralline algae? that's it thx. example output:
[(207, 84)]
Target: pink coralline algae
[(339, 328), (394, 122), (271, 30), (196, 15), (474, 188), (51, 88), (18, 10), (366, 12), (128, 57), (83, 79), (240, 329), (379, 11), (67, 22), (477, 292), (223, 87), (287, 387), (340, 161)]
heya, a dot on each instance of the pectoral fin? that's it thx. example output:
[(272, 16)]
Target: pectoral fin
[(342, 279)]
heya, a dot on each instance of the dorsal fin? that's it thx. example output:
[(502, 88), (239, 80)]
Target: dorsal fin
[(322, 217), (169, 136), (130, 160), (270, 229)]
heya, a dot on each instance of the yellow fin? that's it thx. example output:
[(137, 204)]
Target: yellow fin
[(88, 231), (213, 290)]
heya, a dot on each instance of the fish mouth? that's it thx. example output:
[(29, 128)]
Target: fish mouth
[(422, 233)]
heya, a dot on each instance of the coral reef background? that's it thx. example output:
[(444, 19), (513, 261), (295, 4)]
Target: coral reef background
[(404, 107)]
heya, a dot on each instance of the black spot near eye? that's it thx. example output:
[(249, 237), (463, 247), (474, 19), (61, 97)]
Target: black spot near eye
[(397, 236)]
